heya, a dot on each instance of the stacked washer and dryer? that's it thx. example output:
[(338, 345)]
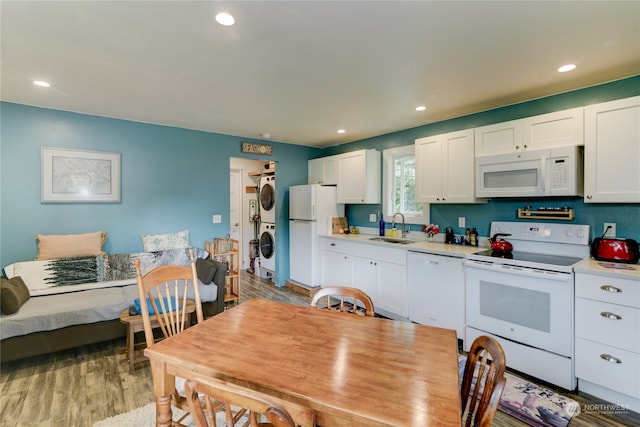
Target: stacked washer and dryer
[(267, 237)]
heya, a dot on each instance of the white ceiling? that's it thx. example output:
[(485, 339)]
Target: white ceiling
[(300, 70)]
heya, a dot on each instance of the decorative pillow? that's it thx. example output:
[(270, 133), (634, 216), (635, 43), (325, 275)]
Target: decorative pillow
[(206, 270), (13, 293), (70, 245), (163, 242)]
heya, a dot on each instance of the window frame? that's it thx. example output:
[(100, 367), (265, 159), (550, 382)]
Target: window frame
[(389, 157)]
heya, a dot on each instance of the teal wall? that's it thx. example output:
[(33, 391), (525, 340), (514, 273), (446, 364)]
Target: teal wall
[(626, 216), (172, 179), (175, 178)]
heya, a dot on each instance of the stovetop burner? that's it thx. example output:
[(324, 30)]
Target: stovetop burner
[(532, 257)]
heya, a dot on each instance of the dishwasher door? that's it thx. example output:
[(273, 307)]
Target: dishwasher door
[(436, 291)]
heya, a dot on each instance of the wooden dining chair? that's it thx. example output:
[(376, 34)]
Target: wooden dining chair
[(163, 291), (480, 398), (348, 299), (257, 403)]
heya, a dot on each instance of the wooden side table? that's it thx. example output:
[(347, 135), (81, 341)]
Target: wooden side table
[(135, 324)]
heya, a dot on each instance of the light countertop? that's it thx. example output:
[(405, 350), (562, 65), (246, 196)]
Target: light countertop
[(605, 268), (423, 245)]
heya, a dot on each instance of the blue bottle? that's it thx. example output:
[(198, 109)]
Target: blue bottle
[(381, 224)]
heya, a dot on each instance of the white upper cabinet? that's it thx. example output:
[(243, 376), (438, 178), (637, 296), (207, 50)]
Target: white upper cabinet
[(612, 152), (323, 170), (445, 171), (429, 168), (359, 177), (557, 129), (498, 138)]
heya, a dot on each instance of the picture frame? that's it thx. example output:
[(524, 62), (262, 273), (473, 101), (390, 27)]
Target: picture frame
[(79, 175)]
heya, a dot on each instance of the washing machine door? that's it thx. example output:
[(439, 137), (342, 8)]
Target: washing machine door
[(267, 197), (267, 246)]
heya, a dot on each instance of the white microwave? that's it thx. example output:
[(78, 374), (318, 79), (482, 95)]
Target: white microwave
[(549, 172)]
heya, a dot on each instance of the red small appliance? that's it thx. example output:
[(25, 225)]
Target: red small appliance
[(615, 250)]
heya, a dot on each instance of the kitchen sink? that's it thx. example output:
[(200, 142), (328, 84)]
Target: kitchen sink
[(396, 240)]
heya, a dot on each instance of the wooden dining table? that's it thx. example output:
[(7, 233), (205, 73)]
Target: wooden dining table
[(352, 370)]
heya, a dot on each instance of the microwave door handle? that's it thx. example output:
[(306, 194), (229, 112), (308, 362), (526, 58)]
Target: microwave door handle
[(543, 173)]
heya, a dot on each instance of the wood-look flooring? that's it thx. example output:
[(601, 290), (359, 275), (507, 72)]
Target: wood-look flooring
[(76, 388)]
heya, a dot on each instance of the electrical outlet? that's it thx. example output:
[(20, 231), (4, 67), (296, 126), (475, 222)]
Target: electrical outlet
[(462, 221), (609, 229), (372, 218), (217, 219)]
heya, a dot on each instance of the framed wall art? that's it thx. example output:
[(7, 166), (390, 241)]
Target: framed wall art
[(79, 175)]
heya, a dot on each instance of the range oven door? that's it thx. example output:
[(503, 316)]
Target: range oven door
[(529, 306)]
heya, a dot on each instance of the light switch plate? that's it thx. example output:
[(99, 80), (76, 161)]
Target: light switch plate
[(372, 218), (462, 221), (217, 219)]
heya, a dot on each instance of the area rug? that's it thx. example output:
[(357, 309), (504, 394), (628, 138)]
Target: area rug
[(146, 417), (533, 404)]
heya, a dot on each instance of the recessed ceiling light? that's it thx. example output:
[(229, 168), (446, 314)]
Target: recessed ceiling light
[(341, 131), (421, 108), (224, 18), (41, 83), (566, 68)]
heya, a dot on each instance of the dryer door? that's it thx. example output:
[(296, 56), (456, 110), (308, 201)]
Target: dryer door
[(267, 246), (267, 197)]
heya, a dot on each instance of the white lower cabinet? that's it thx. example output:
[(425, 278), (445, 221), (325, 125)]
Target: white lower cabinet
[(381, 274), (607, 345), (436, 291)]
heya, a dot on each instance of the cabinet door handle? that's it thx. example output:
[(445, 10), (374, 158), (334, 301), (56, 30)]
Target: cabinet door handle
[(610, 358), (589, 196), (434, 263), (333, 244), (610, 288), (610, 315)]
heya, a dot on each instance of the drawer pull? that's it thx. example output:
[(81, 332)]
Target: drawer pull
[(610, 288), (610, 315), (333, 244), (610, 358)]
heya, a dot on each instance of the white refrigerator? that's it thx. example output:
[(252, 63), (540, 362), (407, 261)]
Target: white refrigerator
[(311, 208)]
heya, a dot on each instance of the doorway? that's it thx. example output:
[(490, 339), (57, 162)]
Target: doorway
[(242, 192)]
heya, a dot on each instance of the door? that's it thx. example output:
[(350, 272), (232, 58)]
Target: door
[(352, 177), (459, 173), (429, 169), (392, 288), (235, 204), (498, 138), (436, 291), (533, 307), (302, 199), (302, 252), (365, 277), (612, 152), (557, 129), (337, 269)]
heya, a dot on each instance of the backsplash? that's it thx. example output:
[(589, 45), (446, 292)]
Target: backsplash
[(626, 216)]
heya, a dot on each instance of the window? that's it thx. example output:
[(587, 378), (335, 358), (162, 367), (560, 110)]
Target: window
[(399, 186)]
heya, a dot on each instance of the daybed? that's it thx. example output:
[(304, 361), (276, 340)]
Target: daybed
[(77, 301)]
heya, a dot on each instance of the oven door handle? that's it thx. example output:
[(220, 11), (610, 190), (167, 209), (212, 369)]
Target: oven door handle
[(520, 271)]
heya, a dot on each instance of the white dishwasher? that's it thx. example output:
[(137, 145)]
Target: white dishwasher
[(436, 290)]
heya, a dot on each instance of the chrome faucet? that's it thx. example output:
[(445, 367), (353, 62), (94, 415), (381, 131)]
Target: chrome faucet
[(393, 223)]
